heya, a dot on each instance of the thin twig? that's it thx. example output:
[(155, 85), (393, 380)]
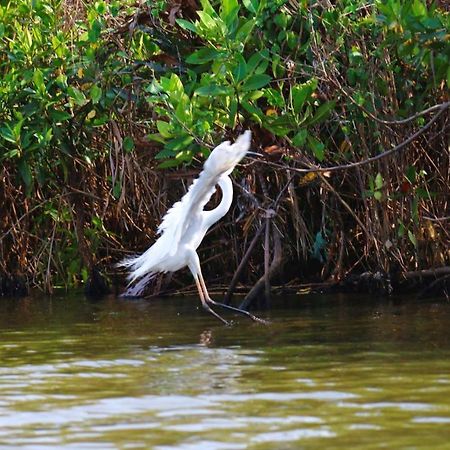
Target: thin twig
[(242, 264), (267, 261), (274, 267), (437, 219)]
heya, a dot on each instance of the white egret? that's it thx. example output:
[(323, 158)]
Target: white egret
[(186, 223)]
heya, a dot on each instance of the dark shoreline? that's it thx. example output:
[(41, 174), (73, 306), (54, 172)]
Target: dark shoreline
[(428, 283)]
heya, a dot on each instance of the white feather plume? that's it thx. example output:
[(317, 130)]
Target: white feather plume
[(176, 220)]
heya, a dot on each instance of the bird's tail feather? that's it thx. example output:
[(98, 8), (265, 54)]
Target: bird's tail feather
[(137, 289), (147, 262), (138, 276)]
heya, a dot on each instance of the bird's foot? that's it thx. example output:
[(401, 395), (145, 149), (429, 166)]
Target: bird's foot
[(211, 311), (238, 310)]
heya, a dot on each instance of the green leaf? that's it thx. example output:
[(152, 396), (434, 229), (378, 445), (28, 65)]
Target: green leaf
[(157, 137), (411, 174), (274, 97), (173, 85), (256, 82), (117, 189), (230, 11), (322, 112), (7, 134), (378, 195), (96, 93), (38, 80), (11, 154), (251, 5), (48, 135), (59, 116), (95, 31), (164, 154), (17, 128), (184, 155), (228, 6), (207, 7), (280, 126), (26, 138), (203, 56), (378, 181), (184, 111), (179, 143), (300, 138), (100, 7), (207, 20), (419, 9), (244, 32), (281, 20), (128, 144), (187, 25), (100, 120), (97, 222), (253, 95), (76, 95), (300, 94), (424, 194), (412, 238), (213, 89), (84, 272), (240, 70), (254, 111), (25, 172), (317, 147), (256, 59), (164, 129), (169, 163), (233, 113)]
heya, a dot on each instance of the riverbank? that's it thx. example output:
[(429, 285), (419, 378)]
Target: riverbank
[(108, 111)]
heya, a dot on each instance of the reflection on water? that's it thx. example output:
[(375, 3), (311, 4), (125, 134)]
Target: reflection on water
[(327, 373)]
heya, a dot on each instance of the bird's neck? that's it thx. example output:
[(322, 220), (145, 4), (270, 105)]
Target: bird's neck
[(227, 198)]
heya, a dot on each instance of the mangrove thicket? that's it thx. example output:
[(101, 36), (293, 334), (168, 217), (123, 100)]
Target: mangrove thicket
[(108, 109)]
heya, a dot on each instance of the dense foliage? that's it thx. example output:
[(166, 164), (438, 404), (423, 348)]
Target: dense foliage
[(99, 100)]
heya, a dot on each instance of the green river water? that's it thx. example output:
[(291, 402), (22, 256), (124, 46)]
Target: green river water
[(330, 372)]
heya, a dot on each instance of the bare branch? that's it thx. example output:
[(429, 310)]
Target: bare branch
[(412, 138)]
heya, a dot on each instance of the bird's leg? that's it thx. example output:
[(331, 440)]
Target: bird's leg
[(208, 299), (194, 267), (205, 304)]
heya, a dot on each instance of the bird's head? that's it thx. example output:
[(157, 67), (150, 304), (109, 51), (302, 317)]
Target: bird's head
[(225, 156)]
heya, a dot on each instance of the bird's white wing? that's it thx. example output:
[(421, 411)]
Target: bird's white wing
[(177, 219), (174, 224)]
